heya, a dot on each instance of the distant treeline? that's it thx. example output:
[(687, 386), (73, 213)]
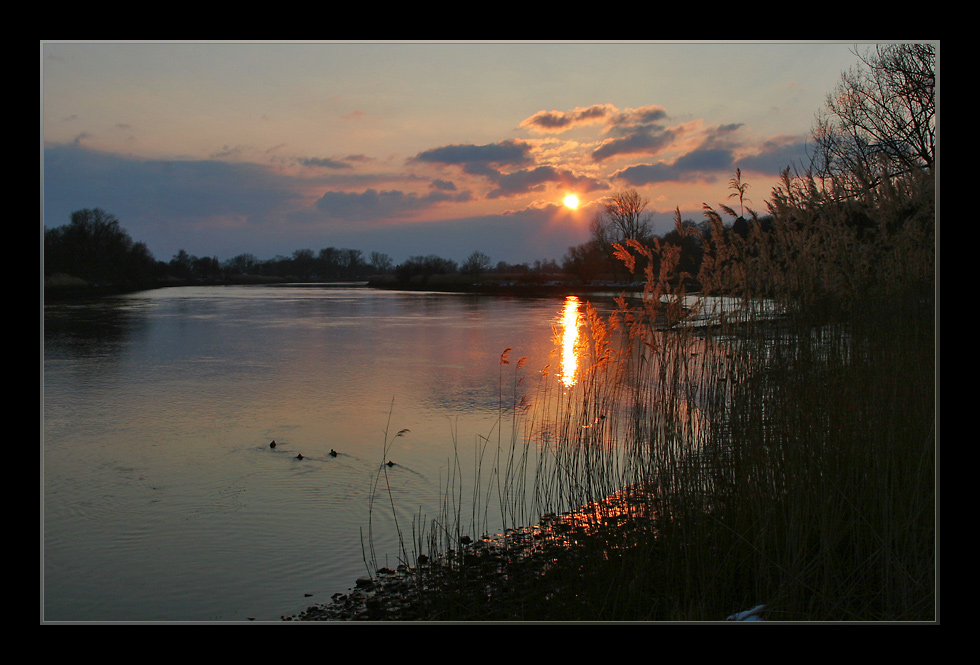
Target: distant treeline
[(93, 250)]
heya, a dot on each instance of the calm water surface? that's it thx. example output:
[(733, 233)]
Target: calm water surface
[(162, 500)]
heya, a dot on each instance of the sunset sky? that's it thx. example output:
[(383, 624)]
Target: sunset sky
[(414, 148)]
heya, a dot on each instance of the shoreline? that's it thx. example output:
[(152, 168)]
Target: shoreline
[(487, 571), (61, 288), (524, 575)]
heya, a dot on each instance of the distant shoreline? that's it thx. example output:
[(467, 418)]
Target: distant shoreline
[(63, 287), (521, 285)]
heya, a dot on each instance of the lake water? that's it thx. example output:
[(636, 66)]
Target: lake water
[(162, 500)]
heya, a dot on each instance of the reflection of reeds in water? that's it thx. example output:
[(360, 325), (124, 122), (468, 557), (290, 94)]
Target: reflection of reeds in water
[(707, 461)]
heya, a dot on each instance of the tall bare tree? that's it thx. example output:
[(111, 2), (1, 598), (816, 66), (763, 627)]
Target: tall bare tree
[(477, 263), (880, 121), (625, 218)]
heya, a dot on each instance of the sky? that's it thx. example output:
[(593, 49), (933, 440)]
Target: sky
[(415, 148)]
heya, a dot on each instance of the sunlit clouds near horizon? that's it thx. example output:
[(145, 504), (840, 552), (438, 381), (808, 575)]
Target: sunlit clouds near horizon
[(414, 148)]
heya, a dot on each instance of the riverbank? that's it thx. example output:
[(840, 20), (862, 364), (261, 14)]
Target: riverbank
[(60, 287), (526, 574), (566, 568)]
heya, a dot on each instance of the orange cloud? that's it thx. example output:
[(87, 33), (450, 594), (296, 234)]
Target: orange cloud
[(560, 121)]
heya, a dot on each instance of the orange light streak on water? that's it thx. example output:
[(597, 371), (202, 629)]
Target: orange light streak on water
[(570, 334)]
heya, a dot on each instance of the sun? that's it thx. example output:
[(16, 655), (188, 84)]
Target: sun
[(571, 201)]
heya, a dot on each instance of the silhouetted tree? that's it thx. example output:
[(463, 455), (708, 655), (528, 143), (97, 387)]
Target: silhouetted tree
[(303, 263), (93, 246), (423, 267), (350, 262), (626, 218), (382, 263), (139, 265), (476, 264), (182, 264), (243, 264), (545, 266), (622, 219), (207, 267), (880, 121), (586, 262), (328, 260)]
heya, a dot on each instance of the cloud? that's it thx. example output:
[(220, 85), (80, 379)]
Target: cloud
[(647, 174), (687, 151), (705, 159), (775, 155), (379, 205), (335, 164), (171, 204), (715, 150), (641, 116), (607, 114), (560, 121), (638, 134), (706, 162), (524, 181), (183, 188), (645, 140), (444, 185), (536, 179), (479, 159), (228, 151), (509, 166), (695, 165), (325, 162)]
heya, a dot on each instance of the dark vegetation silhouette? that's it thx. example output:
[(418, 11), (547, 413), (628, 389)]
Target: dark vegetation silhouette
[(94, 247), (94, 254)]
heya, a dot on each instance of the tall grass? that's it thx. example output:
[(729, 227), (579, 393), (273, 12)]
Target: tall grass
[(778, 450)]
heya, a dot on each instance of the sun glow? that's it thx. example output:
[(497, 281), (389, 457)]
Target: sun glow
[(571, 201)]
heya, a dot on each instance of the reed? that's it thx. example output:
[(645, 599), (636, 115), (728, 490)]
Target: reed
[(778, 450)]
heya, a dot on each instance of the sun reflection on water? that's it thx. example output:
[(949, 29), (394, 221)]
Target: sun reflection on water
[(570, 324)]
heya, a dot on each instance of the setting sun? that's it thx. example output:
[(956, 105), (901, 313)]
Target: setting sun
[(571, 201)]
